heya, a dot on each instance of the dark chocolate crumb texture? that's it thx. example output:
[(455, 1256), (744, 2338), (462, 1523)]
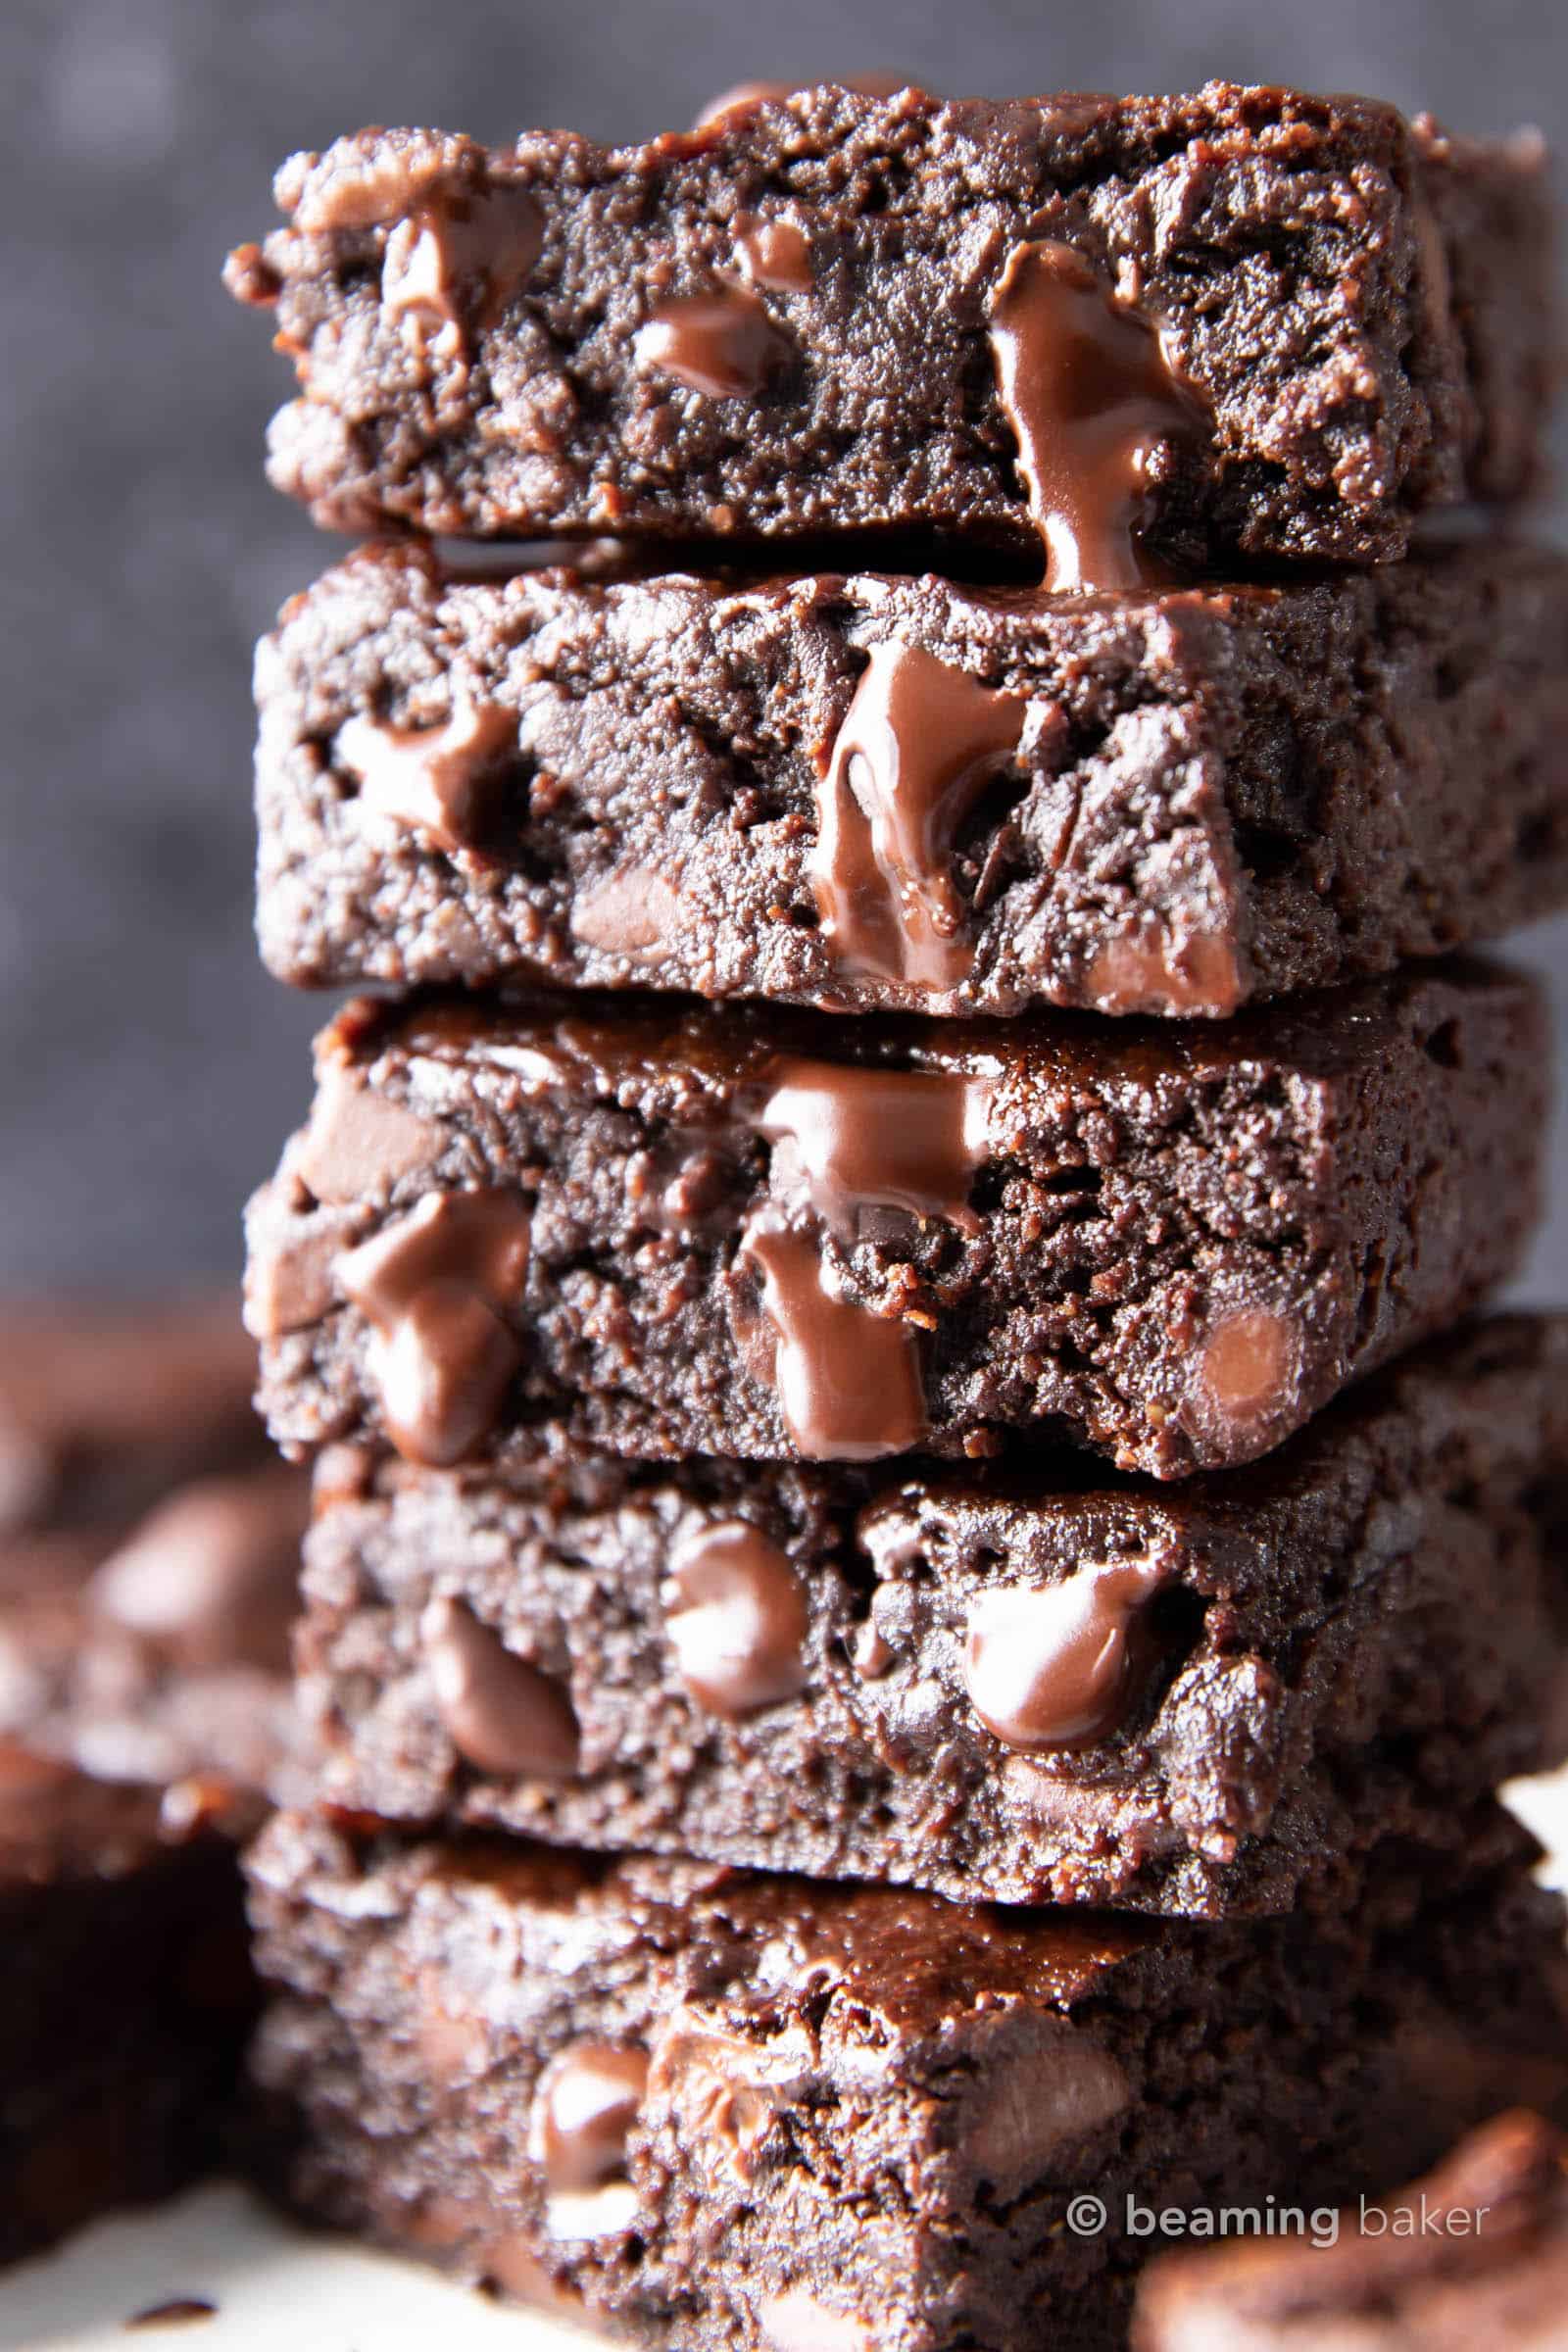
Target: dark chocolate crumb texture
[(675, 1230), (1474, 2254), (1023, 1687), (726, 2110), (869, 792), (1112, 334)]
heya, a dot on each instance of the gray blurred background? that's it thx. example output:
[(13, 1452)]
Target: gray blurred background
[(150, 1070)]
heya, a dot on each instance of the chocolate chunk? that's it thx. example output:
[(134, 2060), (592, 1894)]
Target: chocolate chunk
[(919, 745), (435, 1286), (586, 2104), (503, 1714), (430, 777), (1050, 1666), (358, 1141), (773, 251), (737, 1618), (1091, 399), (722, 344)]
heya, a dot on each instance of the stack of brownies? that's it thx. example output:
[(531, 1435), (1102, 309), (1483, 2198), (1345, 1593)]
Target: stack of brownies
[(912, 1625)]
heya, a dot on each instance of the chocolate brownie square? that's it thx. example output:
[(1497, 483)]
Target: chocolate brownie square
[(683, 1229), (1025, 1686), (724, 2110), (1128, 331), (871, 793)]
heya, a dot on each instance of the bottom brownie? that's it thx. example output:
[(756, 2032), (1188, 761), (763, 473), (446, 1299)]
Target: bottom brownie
[(1475, 2254), (126, 1992), (723, 2109)]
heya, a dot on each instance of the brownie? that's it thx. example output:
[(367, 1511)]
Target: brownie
[(874, 793), (103, 1408), (1118, 333), (125, 1990), (731, 2110), (1476, 2254), (1209, 1701), (678, 1230), (171, 1653)]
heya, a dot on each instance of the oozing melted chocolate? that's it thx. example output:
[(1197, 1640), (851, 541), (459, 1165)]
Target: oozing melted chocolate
[(454, 262), (433, 1286), (501, 1714), (1051, 1666), (722, 344), (846, 1140), (736, 1618), (1089, 392), (918, 743), (584, 2109), (429, 776)]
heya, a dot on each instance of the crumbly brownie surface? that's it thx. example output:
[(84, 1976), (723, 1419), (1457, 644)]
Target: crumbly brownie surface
[(125, 1990), (1166, 802), (1301, 321), (751, 2111), (1201, 1701), (1475, 2254), (776, 1235), (104, 1409)]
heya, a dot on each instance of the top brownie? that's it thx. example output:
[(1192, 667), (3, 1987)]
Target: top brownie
[(1138, 332)]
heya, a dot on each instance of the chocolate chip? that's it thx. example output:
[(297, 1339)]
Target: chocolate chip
[(501, 1714)]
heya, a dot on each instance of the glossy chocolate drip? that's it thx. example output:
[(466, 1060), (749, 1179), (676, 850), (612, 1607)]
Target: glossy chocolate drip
[(918, 743), (434, 1285), (586, 2104), (849, 1381), (776, 254), (723, 344), (429, 776), (454, 261), (1051, 1666), (736, 1619), (503, 1715), (1089, 392), (848, 1138)]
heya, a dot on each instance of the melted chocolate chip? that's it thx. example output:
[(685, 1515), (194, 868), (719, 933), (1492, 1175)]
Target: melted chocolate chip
[(722, 344), (848, 1138), (359, 1142), (849, 1381), (587, 2101), (179, 2312), (1089, 394), (1246, 1366), (1050, 1666), (501, 1714), (429, 777), (737, 1619), (457, 260), (918, 743), (1132, 975), (776, 253), (434, 1284)]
